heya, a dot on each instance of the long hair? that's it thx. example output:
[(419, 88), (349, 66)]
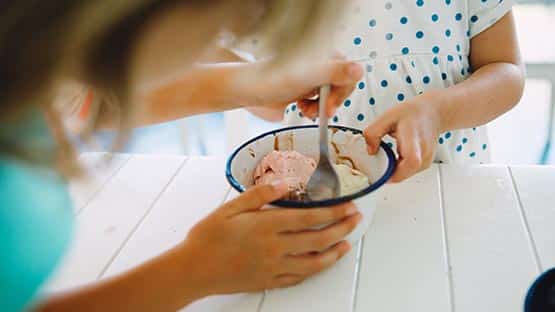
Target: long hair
[(44, 42)]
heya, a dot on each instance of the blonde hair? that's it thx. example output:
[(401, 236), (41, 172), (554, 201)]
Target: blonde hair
[(43, 42)]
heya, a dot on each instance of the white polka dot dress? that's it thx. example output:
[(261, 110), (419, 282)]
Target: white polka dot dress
[(408, 47)]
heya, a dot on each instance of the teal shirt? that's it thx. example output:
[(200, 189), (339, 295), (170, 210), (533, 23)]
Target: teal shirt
[(35, 225)]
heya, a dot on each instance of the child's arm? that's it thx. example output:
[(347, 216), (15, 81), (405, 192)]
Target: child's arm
[(496, 84), (494, 88), (237, 248), (218, 87)]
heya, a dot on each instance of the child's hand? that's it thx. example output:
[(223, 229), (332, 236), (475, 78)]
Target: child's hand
[(242, 248), (299, 86), (415, 125)]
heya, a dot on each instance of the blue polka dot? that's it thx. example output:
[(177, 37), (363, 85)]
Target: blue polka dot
[(409, 80), (463, 72), (435, 49), (419, 3), (335, 119), (458, 48), (474, 19), (459, 148), (435, 60), (426, 80), (361, 85), (448, 135), (405, 50), (369, 68), (400, 97), (448, 33), (389, 36), (404, 20), (357, 41), (435, 18), (458, 16), (372, 101), (460, 57), (450, 58), (412, 64), (465, 140), (293, 107), (372, 23), (390, 144), (393, 67), (484, 146), (443, 76), (347, 103), (300, 115), (473, 154), (448, 2), (468, 33), (474, 129), (360, 117), (287, 111), (383, 83), (441, 141), (419, 34)]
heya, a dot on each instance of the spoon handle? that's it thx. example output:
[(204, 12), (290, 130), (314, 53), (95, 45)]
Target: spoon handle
[(323, 122)]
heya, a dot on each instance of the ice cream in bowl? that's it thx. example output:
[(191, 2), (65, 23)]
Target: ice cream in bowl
[(291, 154)]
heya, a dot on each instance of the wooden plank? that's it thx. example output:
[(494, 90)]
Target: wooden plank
[(403, 265), (97, 173), (492, 262), (534, 186), (198, 188), (105, 225)]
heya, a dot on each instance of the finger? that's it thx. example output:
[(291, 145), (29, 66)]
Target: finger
[(410, 154), (322, 239), (295, 220), (255, 197), (309, 264), (374, 133), (341, 73), (287, 280), (309, 108), (337, 97), (312, 95)]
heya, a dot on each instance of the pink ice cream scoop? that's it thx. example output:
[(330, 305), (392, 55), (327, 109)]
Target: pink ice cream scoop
[(290, 166)]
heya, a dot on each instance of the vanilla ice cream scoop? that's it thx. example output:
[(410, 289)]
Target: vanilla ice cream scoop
[(351, 180)]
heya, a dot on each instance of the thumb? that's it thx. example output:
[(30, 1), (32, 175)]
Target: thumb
[(341, 73), (255, 198), (377, 130)]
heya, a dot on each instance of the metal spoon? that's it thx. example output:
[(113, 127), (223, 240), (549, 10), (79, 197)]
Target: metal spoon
[(324, 182)]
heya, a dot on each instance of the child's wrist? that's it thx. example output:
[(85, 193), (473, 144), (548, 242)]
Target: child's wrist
[(186, 265), (441, 106)]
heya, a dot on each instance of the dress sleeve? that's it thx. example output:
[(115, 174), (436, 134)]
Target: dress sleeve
[(482, 14)]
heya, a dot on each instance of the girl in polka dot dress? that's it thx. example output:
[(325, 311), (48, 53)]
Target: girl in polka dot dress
[(436, 72)]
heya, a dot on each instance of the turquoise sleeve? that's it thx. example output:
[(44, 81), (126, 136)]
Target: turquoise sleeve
[(35, 228)]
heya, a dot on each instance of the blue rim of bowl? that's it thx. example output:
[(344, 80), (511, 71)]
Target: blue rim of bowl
[(319, 203)]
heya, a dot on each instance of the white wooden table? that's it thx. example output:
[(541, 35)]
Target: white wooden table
[(450, 239)]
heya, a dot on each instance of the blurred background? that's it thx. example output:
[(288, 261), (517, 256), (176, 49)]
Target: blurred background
[(522, 136)]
